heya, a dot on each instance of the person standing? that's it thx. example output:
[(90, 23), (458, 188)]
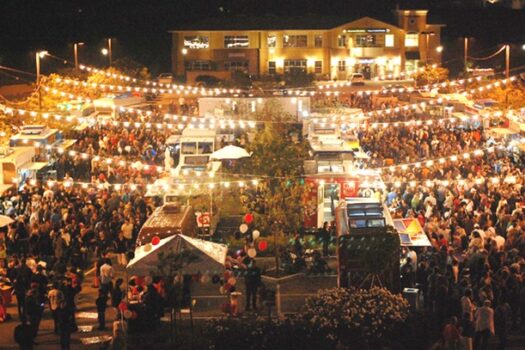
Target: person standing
[(65, 325), (102, 302), (324, 237), (106, 276), (56, 298), (502, 317), (252, 281), (23, 335), (21, 286), (484, 326), (33, 308)]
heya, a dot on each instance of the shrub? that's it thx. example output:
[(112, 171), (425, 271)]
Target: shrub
[(353, 315)]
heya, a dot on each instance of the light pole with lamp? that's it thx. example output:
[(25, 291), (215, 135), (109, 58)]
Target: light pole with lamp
[(108, 52), (38, 56), (184, 52), (75, 53)]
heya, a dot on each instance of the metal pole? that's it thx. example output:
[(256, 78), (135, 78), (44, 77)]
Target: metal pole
[(37, 56), (507, 61), (75, 51), (465, 54), (278, 300), (426, 47), (110, 52)]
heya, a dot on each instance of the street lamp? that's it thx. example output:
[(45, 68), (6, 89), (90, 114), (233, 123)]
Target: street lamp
[(184, 53), (439, 49), (75, 53), (108, 52), (38, 56)]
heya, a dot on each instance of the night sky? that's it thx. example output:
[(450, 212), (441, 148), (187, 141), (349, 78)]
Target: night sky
[(139, 28)]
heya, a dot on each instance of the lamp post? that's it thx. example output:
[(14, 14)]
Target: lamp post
[(184, 52), (38, 56), (108, 52), (507, 61), (75, 52), (465, 53)]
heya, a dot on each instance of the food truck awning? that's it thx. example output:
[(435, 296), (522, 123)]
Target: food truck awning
[(411, 233), (66, 143), (35, 166)]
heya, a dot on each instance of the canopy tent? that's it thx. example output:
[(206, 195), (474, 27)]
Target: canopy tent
[(5, 220), (230, 152), (206, 257)]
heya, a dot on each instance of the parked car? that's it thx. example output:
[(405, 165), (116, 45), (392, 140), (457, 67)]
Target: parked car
[(357, 79)]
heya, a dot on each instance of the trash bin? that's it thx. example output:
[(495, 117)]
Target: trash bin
[(412, 296)]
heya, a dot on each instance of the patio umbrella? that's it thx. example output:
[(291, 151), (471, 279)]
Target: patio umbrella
[(5, 220), (230, 152)]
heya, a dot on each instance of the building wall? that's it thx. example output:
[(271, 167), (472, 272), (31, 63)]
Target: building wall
[(358, 46)]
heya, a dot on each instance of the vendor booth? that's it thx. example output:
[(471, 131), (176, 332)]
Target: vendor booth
[(205, 257), (411, 233)]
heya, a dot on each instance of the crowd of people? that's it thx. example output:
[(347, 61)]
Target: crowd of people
[(471, 277)]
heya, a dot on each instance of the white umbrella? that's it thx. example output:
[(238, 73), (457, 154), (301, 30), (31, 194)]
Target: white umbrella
[(230, 152), (5, 220)]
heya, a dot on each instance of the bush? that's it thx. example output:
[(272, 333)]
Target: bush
[(355, 316)]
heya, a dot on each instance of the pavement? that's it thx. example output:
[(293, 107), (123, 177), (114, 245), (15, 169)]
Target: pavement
[(208, 305)]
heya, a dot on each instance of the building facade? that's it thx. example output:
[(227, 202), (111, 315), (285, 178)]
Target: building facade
[(369, 46)]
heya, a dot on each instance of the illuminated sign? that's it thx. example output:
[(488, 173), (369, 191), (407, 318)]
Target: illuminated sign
[(368, 30)]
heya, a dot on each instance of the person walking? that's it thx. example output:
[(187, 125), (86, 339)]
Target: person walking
[(56, 298), (484, 326), (252, 281)]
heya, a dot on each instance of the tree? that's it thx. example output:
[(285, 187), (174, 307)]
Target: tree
[(278, 159), (508, 96), (431, 75)]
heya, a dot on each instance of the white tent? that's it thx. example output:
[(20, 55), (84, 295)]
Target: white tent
[(5, 220), (206, 257), (230, 152)]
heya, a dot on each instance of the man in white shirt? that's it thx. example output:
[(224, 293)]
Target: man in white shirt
[(55, 297), (106, 276), (127, 229), (484, 326)]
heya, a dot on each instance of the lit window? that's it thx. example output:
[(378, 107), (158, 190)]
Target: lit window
[(412, 40), (272, 67), (295, 41), (196, 42), (272, 41), (318, 41), (318, 67), (341, 66), (236, 41), (290, 65), (341, 41), (389, 40)]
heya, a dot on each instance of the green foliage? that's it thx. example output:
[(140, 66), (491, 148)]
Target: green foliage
[(298, 77), (354, 314), (508, 96), (431, 75), (132, 68)]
